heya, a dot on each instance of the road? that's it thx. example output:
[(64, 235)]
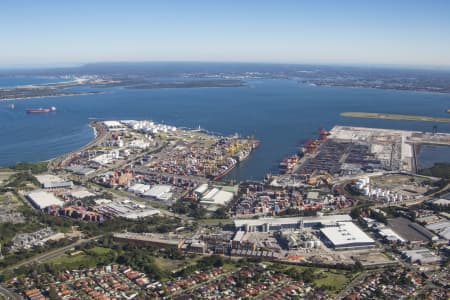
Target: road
[(357, 280), (8, 295), (50, 255)]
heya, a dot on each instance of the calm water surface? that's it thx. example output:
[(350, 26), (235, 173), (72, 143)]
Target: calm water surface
[(280, 113)]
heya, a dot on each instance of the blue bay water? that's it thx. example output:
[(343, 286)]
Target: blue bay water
[(431, 154), (24, 80), (280, 113)]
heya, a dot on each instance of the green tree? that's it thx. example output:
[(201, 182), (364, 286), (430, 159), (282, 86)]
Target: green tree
[(53, 294), (221, 213)]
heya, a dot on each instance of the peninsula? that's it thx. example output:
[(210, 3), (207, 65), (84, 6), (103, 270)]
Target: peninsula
[(395, 117)]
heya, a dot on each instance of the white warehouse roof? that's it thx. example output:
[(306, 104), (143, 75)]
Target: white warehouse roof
[(442, 228), (114, 125), (217, 197), (347, 235), (138, 188), (390, 235), (80, 194), (42, 199), (159, 191), (293, 221), (201, 188), (52, 181)]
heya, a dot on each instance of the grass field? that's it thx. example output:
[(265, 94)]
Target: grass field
[(333, 280), (100, 251), (90, 258), (74, 262), (397, 179)]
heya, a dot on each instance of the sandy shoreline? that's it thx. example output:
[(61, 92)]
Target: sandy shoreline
[(54, 96)]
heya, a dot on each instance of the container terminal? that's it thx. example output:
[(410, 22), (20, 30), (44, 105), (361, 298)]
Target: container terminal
[(346, 150)]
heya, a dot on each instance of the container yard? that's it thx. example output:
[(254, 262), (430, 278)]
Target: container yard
[(395, 149), (161, 149), (356, 150)]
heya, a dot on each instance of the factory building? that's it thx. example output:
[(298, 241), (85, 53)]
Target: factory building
[(80, 170), (49, 181), (442, 228), (421, 256), (390, 235), (277, 224), (346, 235), (216, 197), (114, 126), (160, 192), (42, 199), (138, 188), (201, 189)]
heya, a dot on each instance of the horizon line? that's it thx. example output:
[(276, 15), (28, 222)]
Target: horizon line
[(24, 67)]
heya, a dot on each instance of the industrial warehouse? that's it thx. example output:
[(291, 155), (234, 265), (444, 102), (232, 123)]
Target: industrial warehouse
[(276, 224), (336, 231), (42, 199), (346, 235)]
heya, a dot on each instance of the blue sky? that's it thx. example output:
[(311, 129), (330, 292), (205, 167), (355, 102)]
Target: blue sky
[(48, 33)]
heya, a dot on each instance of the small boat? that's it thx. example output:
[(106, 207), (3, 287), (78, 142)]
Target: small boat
[(41, 110)]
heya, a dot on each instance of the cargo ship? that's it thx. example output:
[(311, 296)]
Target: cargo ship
[(41, 110)]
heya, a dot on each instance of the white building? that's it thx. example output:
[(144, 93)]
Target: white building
[(201, 189), (347, 235), (80, 194), (42, 199), (390, 235), (114, 126), (160, 192), (442, 228), (148, 126), (106, 158), (216, 197), (138, 188), (422, 256), (275, 224), (49, 181), (139, 144)]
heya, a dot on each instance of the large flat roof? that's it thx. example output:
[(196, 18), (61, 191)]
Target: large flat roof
[(43, 199), (218, 197), (346, 234), (278, 221), (390, 234), (159, 191), (46, 179), (409, 230), (139, 188)]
